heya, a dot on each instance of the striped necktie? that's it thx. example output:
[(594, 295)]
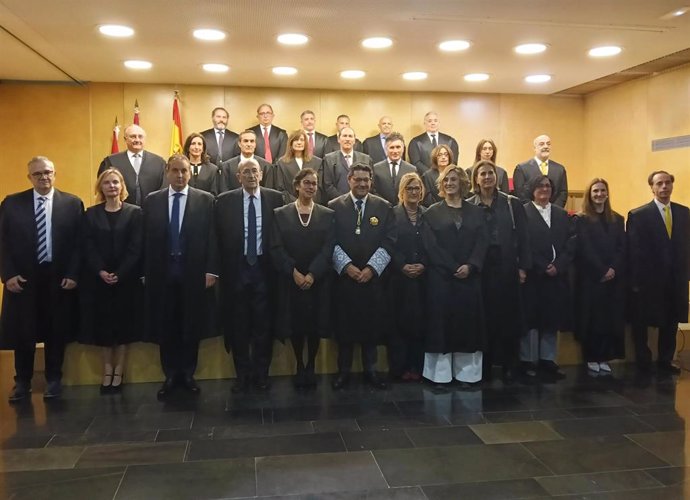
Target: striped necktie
[(41, 230)]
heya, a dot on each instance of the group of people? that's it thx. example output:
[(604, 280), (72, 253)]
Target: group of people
[(290, 240)]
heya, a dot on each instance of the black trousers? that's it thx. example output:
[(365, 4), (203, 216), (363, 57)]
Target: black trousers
[(178, 351), (346, 354), (54, 345), (666, 344), (405, 355)]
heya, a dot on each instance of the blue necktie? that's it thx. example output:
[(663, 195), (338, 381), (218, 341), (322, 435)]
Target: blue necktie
[(251, 232), (175, 248), (41, 230)]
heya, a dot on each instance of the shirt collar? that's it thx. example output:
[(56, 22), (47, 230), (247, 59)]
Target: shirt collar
[(660, 205), (48, 196), (184, 192), (540, 208), (130, 154), (246, 195), (354, 200), (536, 158)]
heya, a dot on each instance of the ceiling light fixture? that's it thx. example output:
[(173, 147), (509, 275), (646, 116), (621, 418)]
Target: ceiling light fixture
[(116, 30), (292, 39), (454, 45), (530, 48), (352, 74), (136, 64), (284, 70), (476, 77), (215, 67), (377, 42), (606, 51), (209, 35), (415, 75), (537, 78)]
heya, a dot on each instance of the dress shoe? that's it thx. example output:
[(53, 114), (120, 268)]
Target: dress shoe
[(668, 368), (372, 380), (116, 386), (605, 367), (593, 366), (528, 369), (53, 391), (22, 390), (166, 389), (551, 369), (190, 384), (262, 383), (241, 385), (341, 381), (107, 386)]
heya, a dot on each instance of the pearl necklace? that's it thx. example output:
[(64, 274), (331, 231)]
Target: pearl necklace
[(299, 214)]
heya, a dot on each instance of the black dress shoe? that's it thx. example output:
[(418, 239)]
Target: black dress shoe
[(21, 391), (551, 369), (528, 369), (341, 381), (668, 368), (53, 391), (374, 381), (166, 389), (191, 385), (262, 383), (241, 385)]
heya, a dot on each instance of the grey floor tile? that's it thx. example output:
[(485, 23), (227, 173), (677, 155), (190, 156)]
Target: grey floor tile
[(599, 426), (670, 476), (91, 438), (195, 434), (664, 422), (198, 480), (131, 454), (92, 484), (337, 425), (467, 418), (453, 464), (39, 458), (413, 493), (376, 440), (49, 425), (524, 416), (142, 422), (668, 446), (599, 482), (663, 493), (423, 437), (263, 430), (514, 432), (488, 490), (20, 441), (601, 411), (368, 423), (316, 474)]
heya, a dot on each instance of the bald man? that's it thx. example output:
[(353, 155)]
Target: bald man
[(332, 143), (421, 146), (541, 164), (375, 146)]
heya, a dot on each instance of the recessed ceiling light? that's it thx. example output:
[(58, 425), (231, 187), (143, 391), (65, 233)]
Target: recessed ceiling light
[(675, 13), (454, 45), (377, 42), (292, 39), (352, 74), (476, 77), (215, 67), (209, 35), (284, 70), (680, 12), (135, 64), (530, 48), (116, 30), (537, 78), (607, 51), (415, 75)]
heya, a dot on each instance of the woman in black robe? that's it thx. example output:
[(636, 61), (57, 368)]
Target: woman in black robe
[(599, 281), (205, 175), (110, 290), (456, 241), (486, 150), (302, 246), (296, 158), (406, 285), (441, 157), (504, 270)]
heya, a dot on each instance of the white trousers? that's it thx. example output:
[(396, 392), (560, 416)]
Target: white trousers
[(461, 366)]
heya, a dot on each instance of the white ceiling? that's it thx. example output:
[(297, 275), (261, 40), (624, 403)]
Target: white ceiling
[(57, 40)]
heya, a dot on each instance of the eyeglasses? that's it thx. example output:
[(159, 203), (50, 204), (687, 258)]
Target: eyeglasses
[(45, 173), (265, 113), (250, 172), (359, 180), (443, 153)]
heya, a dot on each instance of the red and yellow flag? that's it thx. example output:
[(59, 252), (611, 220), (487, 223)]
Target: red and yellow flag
[(135, 121), (176, 134), (114, 147)]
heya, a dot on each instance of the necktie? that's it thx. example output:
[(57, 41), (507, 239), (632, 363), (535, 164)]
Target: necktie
[(175, 248), (42, 250), (311, 143), (544, 167), (251, 232), (348, 160), (668, 221), (221, 135), (394, 170), (267, 147), (137, 190), (433, 140)]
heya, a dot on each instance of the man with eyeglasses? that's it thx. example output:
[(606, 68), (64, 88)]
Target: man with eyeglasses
[(244, 218), (39, 264), (364, 235), (143, 171), (387, 173), (271, 141)]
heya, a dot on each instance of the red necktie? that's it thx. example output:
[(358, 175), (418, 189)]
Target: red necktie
[(311, 143), (267, 147)]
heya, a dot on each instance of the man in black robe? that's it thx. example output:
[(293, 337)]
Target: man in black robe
[(364, 234), (659, 252), (39, 264), (180, 269)]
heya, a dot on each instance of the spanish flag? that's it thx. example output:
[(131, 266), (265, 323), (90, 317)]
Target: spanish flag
[(176, 135), (114, 147)]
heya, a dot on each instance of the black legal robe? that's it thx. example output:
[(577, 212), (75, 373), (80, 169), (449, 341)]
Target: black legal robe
[(284, 175), (208, 179)]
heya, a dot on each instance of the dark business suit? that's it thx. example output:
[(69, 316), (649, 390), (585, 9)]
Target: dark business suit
[(334, 173), (150, 178), (43, 312), (528, 170), (229, 168), (420, 148), (207, 178), (659, 273), (285, 173), (384, 185), (180, 310), (332, 144), (373, 147), (319, 143), (230, 145), (246, 290), (277, 139)]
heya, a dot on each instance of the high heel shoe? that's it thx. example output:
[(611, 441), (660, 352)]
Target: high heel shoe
[(105, 388), (117, 377)]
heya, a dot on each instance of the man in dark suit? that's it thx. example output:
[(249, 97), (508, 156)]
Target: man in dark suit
[(375, 146), (39, 265), (221, 143), (365, 234), (271, 141), (180, 269), (659, 251), (316, 141), (332, 143), (387, 173), (336, 165), (247, 145), (142, 170), (420, 147), (541, 164), (244, 218)]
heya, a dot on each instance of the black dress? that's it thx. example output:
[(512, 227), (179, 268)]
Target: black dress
[(600, 307), (455, 314), (309, 250), (112, 315)]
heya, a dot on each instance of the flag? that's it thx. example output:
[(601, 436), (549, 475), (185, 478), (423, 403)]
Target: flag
[(176, 134), (136, 112), (114, 148)]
